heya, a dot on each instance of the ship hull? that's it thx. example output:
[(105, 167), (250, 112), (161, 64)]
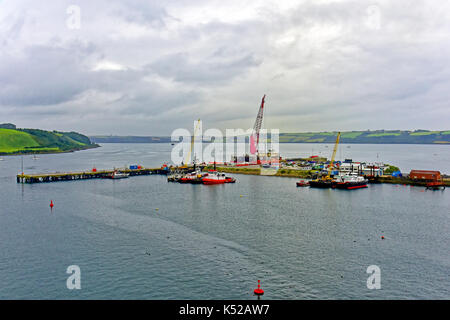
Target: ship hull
[(321, 184), (213, 181), (351, 185)]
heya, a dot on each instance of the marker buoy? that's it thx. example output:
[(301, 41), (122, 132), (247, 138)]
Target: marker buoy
[(259, 292), (51, 204), (382, 237)]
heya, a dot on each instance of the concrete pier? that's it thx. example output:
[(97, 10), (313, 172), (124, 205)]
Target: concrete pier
[(84, 175)]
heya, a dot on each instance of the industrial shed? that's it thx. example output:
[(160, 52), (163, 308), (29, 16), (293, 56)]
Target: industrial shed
[(425, 175)]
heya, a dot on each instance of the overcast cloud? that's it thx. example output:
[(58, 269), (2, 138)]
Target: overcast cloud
[(149, 67)]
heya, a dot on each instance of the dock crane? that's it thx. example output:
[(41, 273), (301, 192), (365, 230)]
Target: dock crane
[(331, 166), (254, 138), (326, 181)]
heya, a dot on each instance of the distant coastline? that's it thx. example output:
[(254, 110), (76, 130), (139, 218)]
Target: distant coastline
[(349, 137)]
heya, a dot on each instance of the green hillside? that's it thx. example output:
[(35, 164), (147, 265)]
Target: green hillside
[(377, 136), (25, 141)]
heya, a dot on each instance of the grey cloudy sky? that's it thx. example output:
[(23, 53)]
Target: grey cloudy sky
[(148, 67)]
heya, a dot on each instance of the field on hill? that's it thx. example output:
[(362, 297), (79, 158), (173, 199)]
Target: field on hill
[(24, 141)]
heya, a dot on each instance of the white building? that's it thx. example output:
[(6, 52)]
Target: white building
[(366, 169)]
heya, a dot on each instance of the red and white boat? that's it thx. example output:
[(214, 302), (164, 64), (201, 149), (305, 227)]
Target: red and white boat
[(215, 177), (350, 181)]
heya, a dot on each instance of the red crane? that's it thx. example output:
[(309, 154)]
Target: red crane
[(254, 138)]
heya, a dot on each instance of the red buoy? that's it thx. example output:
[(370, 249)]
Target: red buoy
[(382, 237), (259, 291), (51, 204)]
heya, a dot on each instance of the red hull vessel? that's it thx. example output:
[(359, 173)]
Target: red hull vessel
[(216, 178)]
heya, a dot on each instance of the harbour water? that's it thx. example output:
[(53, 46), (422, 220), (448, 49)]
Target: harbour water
[(144, 238)]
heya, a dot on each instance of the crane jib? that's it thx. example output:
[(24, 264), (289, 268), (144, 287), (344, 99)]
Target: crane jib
[(331, 166)]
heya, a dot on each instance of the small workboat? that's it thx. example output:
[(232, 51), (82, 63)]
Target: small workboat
[(118, 175), (302, 183)]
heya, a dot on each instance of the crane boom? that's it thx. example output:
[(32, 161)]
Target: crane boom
[(331, 166), (254, 138)]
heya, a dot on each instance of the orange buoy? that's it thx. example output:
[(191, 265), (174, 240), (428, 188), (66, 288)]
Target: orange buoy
[(51, 204), (259, 292), (382, 237)]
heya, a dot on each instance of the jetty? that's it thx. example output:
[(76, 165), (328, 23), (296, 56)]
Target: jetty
[(85, 175)]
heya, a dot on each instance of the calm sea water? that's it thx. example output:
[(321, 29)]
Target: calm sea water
[(302, 243)]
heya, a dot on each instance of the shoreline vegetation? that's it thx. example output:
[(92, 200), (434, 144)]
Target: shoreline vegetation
[(349, 137), (15, 141)]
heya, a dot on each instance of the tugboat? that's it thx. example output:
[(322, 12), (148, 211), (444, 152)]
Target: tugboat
[(214, 177), (351, 181)]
